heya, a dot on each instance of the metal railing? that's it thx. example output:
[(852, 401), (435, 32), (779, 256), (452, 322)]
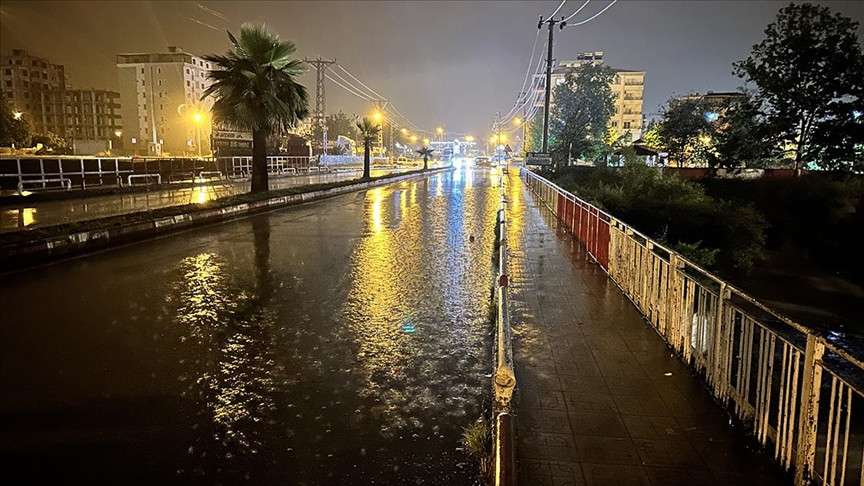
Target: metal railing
[(504, 378), (241, 166), (761, 366)]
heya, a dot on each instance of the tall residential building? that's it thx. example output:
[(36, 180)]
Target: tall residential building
[(627, 87), (160, 99), (37, 89), (93, 114)]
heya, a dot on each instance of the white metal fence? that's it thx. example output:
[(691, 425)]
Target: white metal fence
[(798, 393)]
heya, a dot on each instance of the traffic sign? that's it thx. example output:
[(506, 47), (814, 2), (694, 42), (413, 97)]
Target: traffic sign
[(538, 158)]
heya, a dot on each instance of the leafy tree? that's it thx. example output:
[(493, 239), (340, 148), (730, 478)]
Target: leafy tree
[(425, 152), (255, 89), (809, 75), (369, 133), (651, 136), (685, 130), (52, 144), (741, 136), (584, 103), (341, 124), (13, 131)]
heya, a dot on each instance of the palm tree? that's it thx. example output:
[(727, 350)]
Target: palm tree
[(425, 152), (369, 131), (255, 89)]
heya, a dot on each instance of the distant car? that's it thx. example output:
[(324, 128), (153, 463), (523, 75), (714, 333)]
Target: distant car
[(482, 162), (402, 160)]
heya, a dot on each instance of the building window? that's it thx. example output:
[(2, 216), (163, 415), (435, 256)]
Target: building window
[(142, 70), (626, 125), (9, 72)]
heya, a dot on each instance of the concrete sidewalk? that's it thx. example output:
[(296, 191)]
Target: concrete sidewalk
[(600, 400)]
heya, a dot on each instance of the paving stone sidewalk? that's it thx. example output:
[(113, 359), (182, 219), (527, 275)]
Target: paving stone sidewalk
[(600, 400)]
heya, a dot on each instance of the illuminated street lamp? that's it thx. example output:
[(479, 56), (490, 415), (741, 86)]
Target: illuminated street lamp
[(404, 131), (198, 118), (413, 138), (469, 138), (17, 115), (517, 121), (425, 141), (440, 132)]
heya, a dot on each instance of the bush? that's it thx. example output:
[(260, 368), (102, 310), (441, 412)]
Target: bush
[(724, 237)]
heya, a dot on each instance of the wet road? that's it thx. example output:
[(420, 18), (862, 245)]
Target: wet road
[(18, 217), (340, 342)]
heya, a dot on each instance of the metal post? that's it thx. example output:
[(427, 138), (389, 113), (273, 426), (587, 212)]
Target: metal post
[(551, 23), (810, 388)]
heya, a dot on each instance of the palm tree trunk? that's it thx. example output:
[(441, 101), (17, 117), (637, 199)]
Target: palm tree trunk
[(260, 179), (425, 162), (366, 161)]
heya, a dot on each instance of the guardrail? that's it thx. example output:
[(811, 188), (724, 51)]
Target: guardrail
[(504, 378), (241, 166), (761, 366)]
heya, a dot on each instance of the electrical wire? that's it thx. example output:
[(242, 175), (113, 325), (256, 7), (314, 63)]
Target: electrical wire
[(576, 12), (557, 9), (589, 19)]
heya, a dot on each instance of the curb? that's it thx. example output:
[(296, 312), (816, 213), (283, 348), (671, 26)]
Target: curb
[(16, 256)]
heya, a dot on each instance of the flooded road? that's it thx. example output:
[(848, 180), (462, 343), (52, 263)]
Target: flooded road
[(340, 342), (31, 215)]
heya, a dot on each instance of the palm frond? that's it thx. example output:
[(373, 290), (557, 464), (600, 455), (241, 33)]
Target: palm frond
[(254, 83)]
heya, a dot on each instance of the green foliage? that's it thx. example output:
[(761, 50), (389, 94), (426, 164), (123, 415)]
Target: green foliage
[(741, 136), (255, 89), (584, 103), (341, 124), (685, 130), (728, 238), (369, 131), (13, 132), (52, 144), (808, 72), (477, 439), (254, 83), (704, 257)]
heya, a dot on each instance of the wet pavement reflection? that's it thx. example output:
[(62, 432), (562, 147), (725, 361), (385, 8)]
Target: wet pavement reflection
[(340, 342), (18, 217)]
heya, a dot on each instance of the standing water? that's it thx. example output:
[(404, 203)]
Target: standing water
[(340, 342)]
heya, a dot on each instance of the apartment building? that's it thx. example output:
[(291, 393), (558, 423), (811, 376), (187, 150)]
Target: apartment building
[(628, 88), (36, 88), (161, 106)]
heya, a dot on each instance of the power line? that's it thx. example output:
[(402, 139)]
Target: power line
[(577, 11), (557, 9), (361, 82), (589, 19)]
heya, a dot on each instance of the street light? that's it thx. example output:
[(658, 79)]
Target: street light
[(118, 133), (440, 132), (198, 118), (517, 121), (425, 141), (469, 138), (413, 138), (404, 131), (17, 115)]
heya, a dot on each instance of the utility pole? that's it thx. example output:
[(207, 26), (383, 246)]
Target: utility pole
[(551, 21), (318, 119)]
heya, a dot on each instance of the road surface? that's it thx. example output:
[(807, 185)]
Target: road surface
[(340, 342)]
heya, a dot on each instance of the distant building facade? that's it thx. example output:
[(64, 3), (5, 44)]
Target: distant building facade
[(36, 88), (627, 87), (93, 114), (161, 107)]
